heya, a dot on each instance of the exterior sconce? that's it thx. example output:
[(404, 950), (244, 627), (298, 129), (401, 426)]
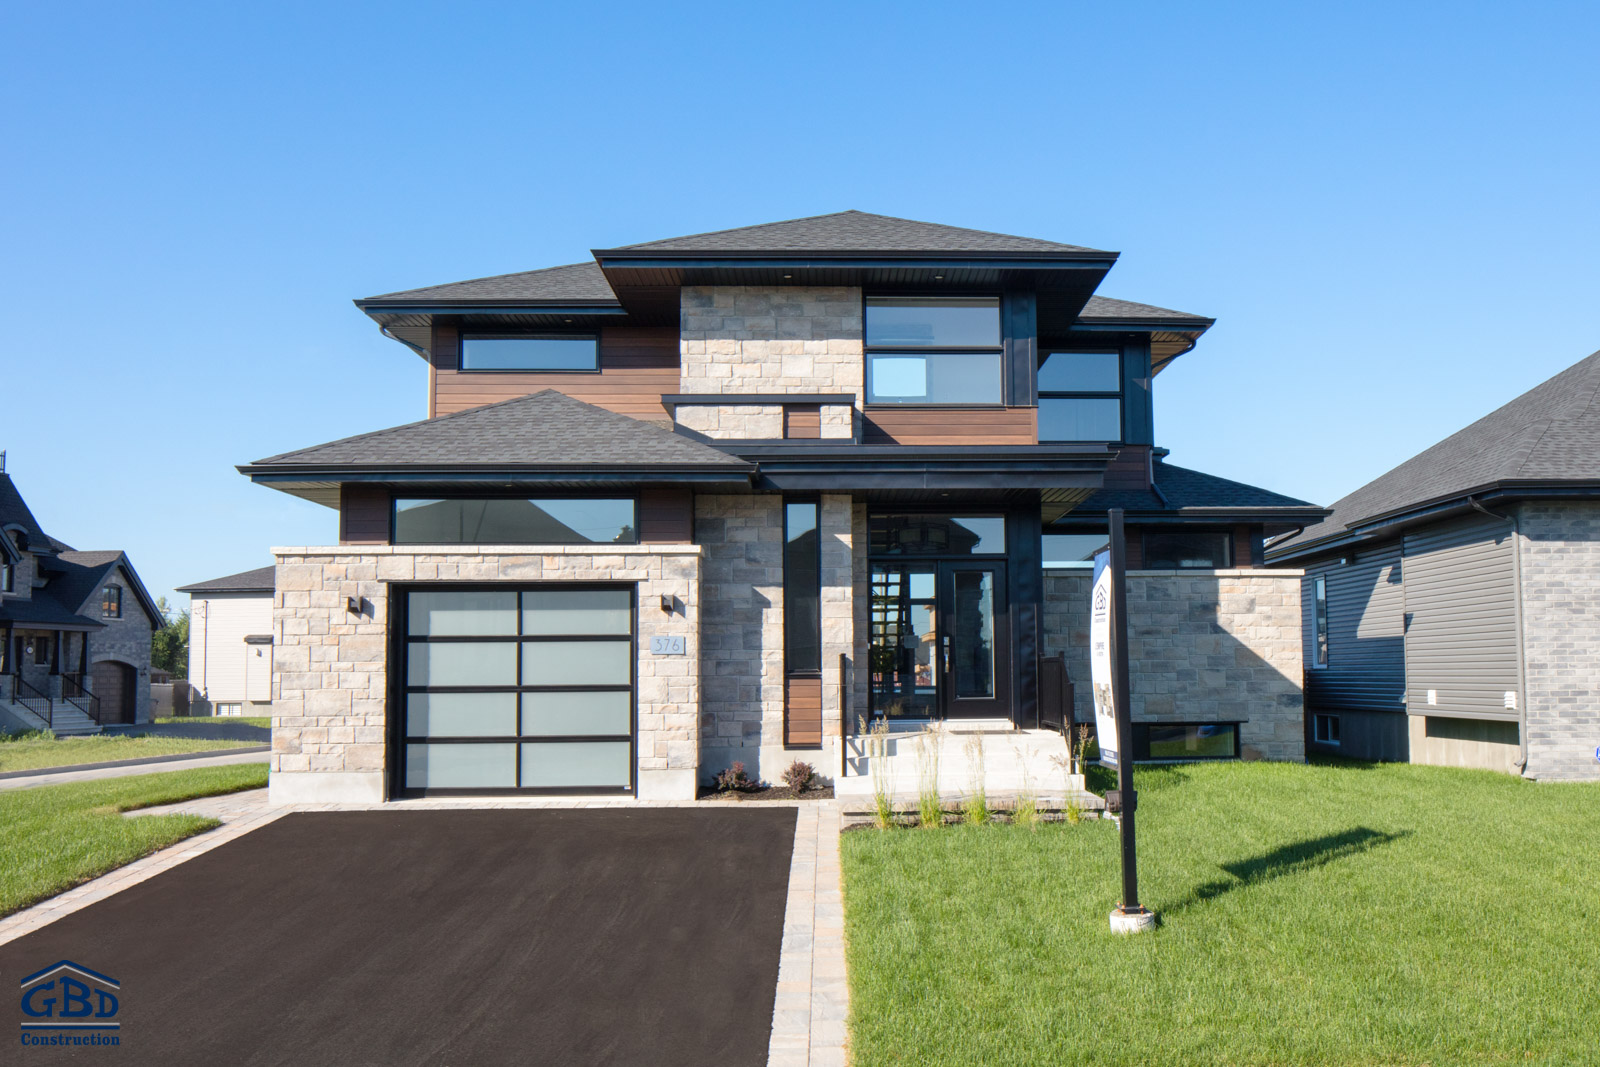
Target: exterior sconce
[(669, 603), (354, 605)]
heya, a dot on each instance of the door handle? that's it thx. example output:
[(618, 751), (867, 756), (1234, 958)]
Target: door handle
[(945, 646)]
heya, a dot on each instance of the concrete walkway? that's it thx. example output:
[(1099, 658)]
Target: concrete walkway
[(154, 765)]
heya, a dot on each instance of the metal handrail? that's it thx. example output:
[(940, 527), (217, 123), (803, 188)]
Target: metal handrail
[(74, 692), (844, 714), (30, 698)]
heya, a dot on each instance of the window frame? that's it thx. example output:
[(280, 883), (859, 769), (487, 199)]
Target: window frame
[(401, 639), (396, 498), (1119, 395), (998, 351), (111, 602), (944, 512), (8, 577), (1322, 736), (789, 670), (1227, 544), (1319, 623), (533, 335), (1141, 742)]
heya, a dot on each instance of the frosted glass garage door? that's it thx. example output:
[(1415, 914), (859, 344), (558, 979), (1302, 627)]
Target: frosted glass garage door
[(521, 690)]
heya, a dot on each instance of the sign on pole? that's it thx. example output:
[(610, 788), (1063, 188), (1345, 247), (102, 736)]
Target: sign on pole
[(1131, 916), (1105, 714)]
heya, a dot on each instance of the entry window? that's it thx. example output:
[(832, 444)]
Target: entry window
[(912, 534), (1320, 623), (1080, 396), (904, 642), (1187, 550), (1325, 729), (1073, 549), (934, 350), (514, 521), (1185, 740), (527, 690), (111, 602), (529, 352)]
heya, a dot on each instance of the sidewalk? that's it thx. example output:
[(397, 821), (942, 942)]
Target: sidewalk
[(89, 772)]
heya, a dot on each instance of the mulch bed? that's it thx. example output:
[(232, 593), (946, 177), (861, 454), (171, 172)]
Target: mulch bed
[(769, 792)]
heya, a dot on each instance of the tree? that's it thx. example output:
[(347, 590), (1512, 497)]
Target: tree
[(169, 646)]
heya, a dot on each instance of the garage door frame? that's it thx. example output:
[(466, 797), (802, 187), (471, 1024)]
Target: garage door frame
[(399, 644)]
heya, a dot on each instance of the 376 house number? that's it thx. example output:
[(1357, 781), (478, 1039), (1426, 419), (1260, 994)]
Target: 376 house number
[(666, 645)]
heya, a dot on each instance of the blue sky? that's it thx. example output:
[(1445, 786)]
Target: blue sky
[(1390, 209)]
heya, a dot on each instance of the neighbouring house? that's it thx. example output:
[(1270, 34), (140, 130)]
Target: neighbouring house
[(1452, 605), (75, 630), (729, 497), (230, 644)]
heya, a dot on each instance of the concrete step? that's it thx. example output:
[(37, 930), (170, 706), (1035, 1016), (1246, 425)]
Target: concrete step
[(65, 720), (1011, 761)]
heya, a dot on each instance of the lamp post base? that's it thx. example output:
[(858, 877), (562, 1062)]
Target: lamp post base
[(1132, 922)]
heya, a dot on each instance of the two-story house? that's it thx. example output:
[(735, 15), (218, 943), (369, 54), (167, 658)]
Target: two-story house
[(726, 497), (75, 630)]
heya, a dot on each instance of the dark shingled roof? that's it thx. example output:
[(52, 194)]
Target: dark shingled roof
[(260, 580), (853, 231), (579, 282), (1546, 436), (14, 512), (45, 612), (1110, 309), (1185, 488), (546, 429)]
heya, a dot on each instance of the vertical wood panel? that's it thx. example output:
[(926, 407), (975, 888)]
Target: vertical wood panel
[(363, 515), (802, 712), (802, 422), (666, 516)]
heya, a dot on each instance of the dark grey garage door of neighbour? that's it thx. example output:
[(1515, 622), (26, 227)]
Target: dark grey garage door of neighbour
[(521, 690)]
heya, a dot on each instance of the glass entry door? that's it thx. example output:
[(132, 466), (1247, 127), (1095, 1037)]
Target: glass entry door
[(939, 642)]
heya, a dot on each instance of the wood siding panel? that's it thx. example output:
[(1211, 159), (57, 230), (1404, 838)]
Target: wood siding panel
[(802, 713), (363, 515), (802, 422), (951, 426), (637, 365), (666, 516)]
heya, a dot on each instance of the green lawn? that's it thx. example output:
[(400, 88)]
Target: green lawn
[(190, 720), (33, 752), (1329, 914), (54, 837)]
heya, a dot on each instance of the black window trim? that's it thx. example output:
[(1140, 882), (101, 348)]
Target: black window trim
[(507, 494), (400, 688), (531, 335), (870, 350), (953, 513), (802, 672), (1041, 395), (111, 601), (1227, 544), (1141, 741)]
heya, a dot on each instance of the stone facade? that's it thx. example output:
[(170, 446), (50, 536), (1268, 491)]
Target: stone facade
[(124, 640), (776, 339), (330, 673), (1559, 548), (1204, 646), (838, 557), (738, 422)]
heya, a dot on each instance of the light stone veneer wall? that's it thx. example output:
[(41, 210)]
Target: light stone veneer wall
[(1204, 646), (777, 339), (330, 673), (738, 422), (1559, 546)]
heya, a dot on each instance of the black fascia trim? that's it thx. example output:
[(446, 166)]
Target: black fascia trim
[(773, 399), (1195, 516), (638, 476), (761, 450), (489, 306), (1143, 325), (864, 260)]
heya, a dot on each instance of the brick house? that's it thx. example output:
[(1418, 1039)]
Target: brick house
[(1452, 605), (724, 497), (75, 630)]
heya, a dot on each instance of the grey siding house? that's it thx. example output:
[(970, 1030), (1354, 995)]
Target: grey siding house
[(1452, 606), (730, 497), (75, 630)]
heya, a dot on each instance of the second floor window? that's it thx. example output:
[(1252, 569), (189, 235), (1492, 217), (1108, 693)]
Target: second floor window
[(1080, 396), (111, 602), (8, 578), (934, 350), (515, 521), (529, 352)]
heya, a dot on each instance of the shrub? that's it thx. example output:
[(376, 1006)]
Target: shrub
[(878, 759), (798, 775), (976, 806), (734, 779)]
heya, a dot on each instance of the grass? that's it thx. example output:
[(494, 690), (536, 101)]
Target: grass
[(36, 751), (189, 720), (55, 837), (1323, 914)]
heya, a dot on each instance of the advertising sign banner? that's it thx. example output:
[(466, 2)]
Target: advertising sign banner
[(1105, 717)]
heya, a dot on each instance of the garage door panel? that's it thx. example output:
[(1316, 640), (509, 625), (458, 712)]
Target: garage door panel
[(468, 766), (528, 690), (577, 713)]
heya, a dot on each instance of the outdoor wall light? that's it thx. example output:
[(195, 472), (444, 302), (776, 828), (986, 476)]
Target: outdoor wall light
[(669, 603), (354, 605)]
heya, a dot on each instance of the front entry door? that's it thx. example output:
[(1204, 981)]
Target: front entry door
[(940, 645)]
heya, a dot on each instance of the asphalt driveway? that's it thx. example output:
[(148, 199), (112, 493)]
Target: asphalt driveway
[(648, 936)]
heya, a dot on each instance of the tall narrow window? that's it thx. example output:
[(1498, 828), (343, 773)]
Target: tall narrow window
[(8, 580), (802, 594), (934, 350), (1320, 623), (1080, 396), (111, 602)]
